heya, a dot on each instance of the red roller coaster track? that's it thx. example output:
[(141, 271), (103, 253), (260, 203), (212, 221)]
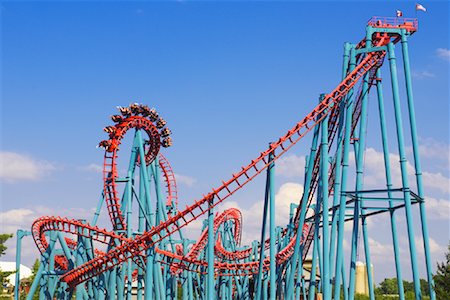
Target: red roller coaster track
[(134, 248)]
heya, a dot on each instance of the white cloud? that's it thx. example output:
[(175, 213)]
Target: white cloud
[(252, 217), (437, 209), (436, 181), (15, 167), (92, 168), (186, 180), (14, 219), (423, 74), (435, 248), (290, 166), (443, 53), (379, 250), (23, 218), (374, 172), (430, 148)]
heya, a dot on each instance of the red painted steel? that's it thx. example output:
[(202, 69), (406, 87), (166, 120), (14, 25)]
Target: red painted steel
[(137, 247)]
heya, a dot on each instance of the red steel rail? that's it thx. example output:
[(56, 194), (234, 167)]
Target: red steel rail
[(139, 245)]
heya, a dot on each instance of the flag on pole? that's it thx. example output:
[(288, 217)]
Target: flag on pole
[(399, 13), (420, 7)]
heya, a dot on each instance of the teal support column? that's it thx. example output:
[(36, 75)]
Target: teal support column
[(344, 284), (210, 254), (403, 167), (417, 164), (258, 283), (184, 284), (325, 276), (265, 288), (359, 151), (80, 289), (387, 168), (99, 208), (19, 235), (298, 248), (312, 282), (360, 180), (272, 271), (345, 165), (129, 235), (141, 228), (337, 164), (36, 281), (112, 283), (145, 201)]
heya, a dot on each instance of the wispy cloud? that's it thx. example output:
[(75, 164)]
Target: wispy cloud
[(290, 166), (23, 218), (185, 180), (288, 193), (443, 53), (438, 209), (92, 168), (431, 148), (375, 172), (423, 74), (16, 167)]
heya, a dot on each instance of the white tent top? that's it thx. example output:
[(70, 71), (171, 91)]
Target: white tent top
[(10, 266)]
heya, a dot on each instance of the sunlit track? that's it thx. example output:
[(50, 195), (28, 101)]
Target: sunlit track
[(170, 180), (151, 251)]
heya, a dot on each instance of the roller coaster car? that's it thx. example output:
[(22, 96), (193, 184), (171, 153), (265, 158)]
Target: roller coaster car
[(104, 144), (167, 142), (135, 108), (109, 129), (117, 118), (153, 115), (125, 111), (161, 123), (145, 110), (165, 132)]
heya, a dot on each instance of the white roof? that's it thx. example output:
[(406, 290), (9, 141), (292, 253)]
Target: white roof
[(10, 266)]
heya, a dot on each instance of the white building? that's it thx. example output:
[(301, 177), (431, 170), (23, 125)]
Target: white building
[(10, 266)]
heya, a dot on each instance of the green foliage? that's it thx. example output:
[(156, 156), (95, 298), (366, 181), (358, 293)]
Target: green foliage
[(361, 297), (35, 269), (424, 287), (442, 278), (3, 239), (389, 287)]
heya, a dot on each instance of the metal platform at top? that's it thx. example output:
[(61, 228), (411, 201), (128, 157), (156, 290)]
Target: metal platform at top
[(411, 25)]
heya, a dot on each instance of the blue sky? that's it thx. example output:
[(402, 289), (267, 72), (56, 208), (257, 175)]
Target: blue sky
[(228, 77)]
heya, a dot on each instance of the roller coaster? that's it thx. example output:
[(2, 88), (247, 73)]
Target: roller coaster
[(146, 254)]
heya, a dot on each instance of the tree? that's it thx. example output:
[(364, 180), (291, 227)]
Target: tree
[(442, 278), (388, 287), (3, 275), (3, 239)]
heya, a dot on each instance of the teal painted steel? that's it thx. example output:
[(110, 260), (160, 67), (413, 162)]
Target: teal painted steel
[(404, 171), (387, 168), (345, 164), (19, 236), (417, 164), (259, 278), (210, 254), (313, 221), (272, 270), (325, 275)]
